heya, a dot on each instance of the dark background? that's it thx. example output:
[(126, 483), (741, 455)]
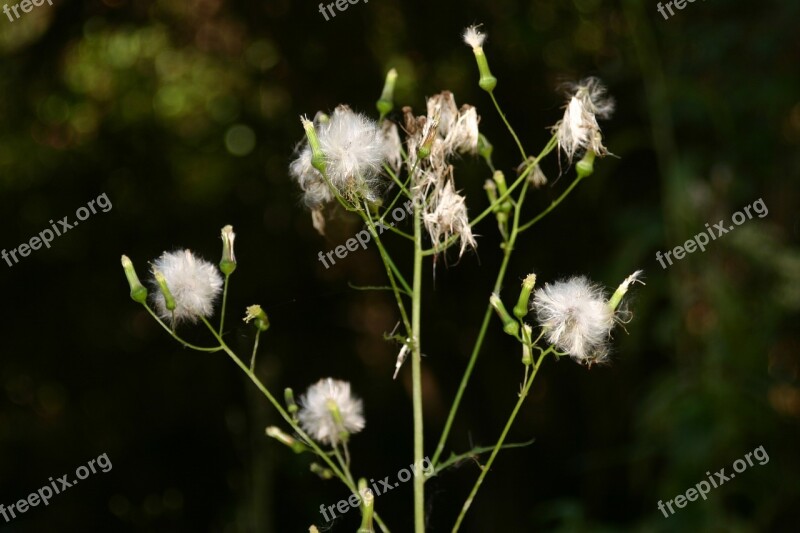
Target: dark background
[(156, 105)]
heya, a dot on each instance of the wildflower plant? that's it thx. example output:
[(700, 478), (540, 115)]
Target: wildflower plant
[(366, 167)]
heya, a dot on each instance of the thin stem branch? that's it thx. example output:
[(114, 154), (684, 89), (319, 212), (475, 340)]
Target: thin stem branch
[(485, 469), (224, 303), (255, 348), (177, 337), (552, 206), (508, 125)]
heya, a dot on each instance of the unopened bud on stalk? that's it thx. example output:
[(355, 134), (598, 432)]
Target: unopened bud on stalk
[(138, 292), (522, 307), (317, 157), (510, 325), (291, 405), (386, 102), (368, 508), (474, 38), (169, 300), (485, 148), (277, 434), (491, 191), (527, 357), (616, 298), (228, 263), (585, 167), (255, 313), (429, 135), (321, 471)]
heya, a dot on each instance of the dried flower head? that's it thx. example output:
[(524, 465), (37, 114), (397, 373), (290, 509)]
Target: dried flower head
[(446, 215), (194, 283), (576, 318), (328, 410), (578, 130)]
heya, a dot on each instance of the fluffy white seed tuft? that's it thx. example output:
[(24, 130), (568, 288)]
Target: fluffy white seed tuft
[(194, 283), (576, 318), (316, 414)]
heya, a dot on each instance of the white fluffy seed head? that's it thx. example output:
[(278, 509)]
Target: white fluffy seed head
[(316, 417), (194, 283), (445, 215), (474, 37), (576, 318), (354, 148)]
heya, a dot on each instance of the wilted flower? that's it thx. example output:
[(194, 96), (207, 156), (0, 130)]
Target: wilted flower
[(193, 282), (577, 317), (578, 130), (446, 215), (328, 411)]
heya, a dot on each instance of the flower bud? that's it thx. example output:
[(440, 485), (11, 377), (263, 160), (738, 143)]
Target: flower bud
[(491, 191), (527, 357), (386, 102), (522, 307), (616, 298), (317, 157), (228, 263), (510, 325), (277, 434), (585, 167), (321, 471), (138, 292), (368, 509), (485, 148), (291, 405), (169, 300), (254, 312)]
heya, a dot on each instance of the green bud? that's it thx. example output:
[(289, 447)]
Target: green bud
[(228, 263), (527, 357), (321, 471), (277, 434), (616, 298), (521, 309), (487, 82), (254, 312), (317, 157), (585, 166), (138, 292), (386, 102), (510, 326), (368, 508), (491, 191), (291, 406), (333, 409), (485, 148), (169, 301)]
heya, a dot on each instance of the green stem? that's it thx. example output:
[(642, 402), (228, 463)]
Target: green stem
[(508, 125), (553, 205), (224, 303), (177, 338), (509, 247), (255, 348), (485, 469), (416, 374)]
